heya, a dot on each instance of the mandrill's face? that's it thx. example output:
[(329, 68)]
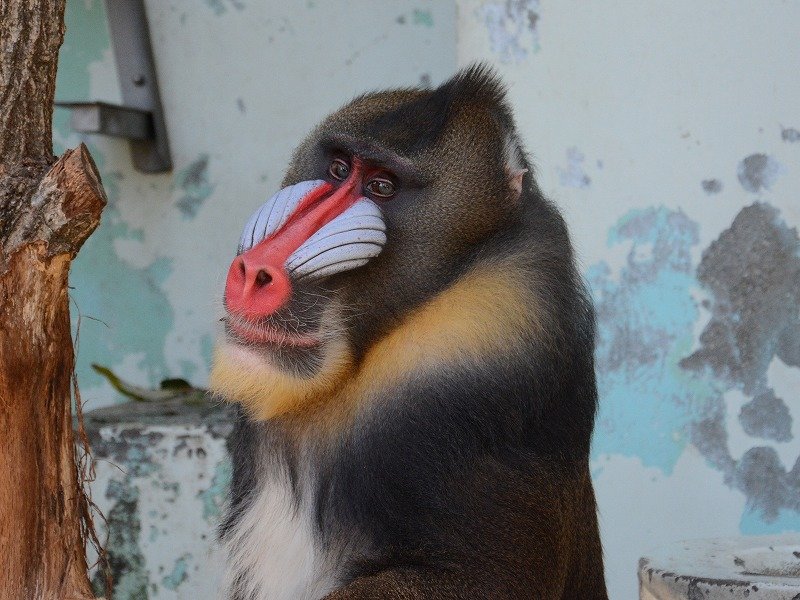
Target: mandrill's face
[(278, 304), (384, 206)]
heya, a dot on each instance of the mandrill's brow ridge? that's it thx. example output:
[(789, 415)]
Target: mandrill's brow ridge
[(376, 155)]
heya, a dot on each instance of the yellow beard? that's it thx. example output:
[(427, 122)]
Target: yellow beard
[(482, 314), (265, 390)]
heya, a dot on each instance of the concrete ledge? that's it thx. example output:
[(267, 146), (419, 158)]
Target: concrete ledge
[(751, 568)]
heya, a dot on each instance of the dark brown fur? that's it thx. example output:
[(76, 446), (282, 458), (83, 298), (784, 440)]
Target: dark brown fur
[(466, 476)]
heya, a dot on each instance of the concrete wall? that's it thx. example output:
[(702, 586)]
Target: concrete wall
[(669, 133)]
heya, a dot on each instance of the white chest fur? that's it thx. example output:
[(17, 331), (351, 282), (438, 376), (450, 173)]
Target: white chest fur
[(273, 553)]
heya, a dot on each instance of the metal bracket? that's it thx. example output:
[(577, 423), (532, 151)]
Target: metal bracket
[(110, 119), (140, 119)]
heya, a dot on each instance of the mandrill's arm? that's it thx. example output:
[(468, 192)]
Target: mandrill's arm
[(537, 548), (413, 584)]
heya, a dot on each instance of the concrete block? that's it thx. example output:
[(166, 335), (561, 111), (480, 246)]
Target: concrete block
[(162, 476)]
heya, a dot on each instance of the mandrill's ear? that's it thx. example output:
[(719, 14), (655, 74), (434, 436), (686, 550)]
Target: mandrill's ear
[(515, 166), (515, 178)]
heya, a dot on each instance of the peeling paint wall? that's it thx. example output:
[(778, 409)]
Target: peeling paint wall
[(668, 133)]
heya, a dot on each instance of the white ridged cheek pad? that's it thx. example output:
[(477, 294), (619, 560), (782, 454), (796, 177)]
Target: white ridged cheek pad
[(346, 242)]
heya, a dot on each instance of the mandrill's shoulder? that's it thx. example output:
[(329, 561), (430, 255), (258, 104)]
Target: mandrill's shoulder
[(489, 311)]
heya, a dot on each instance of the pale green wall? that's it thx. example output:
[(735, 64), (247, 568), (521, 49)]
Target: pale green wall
[(668, 132)]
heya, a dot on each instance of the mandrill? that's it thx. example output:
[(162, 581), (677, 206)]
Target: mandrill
[(411, 350)]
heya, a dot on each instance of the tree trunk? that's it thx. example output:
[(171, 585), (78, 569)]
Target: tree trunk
[(47, 210)]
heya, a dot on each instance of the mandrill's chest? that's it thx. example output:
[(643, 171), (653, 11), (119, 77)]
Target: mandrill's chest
[(275, 551)]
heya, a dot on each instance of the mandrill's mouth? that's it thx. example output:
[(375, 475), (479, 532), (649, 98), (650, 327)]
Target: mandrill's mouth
[(294, 339), (296, 329), (266, 334)]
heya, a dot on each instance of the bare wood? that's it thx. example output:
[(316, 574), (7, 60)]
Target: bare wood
[(40, 496), (47, 210)]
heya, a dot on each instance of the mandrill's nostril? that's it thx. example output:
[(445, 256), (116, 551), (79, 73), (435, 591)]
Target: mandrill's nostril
[(256, 285), (263, 278)]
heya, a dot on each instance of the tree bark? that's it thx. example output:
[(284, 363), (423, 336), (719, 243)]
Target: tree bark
[(47, 210)]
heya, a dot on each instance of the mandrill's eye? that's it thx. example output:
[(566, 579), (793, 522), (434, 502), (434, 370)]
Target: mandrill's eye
[(339, 169), (382, 188)]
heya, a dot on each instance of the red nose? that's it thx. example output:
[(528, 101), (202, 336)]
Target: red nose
[(258, 283)]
